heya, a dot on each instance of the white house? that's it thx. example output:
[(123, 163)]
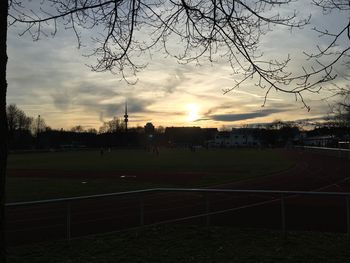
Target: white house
[(320, 141), (235, 138)]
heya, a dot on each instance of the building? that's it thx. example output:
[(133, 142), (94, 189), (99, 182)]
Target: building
[(236, 138), (189, 136), (319, 141)]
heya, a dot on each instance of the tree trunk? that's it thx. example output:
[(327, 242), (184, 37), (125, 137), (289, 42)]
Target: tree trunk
[(3, 123)]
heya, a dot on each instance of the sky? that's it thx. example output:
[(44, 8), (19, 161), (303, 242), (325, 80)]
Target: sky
[(50, 78)]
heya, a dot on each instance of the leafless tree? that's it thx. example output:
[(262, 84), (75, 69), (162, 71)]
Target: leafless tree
[(78, 129), (38, 125), (123, 30), (17, 119), (340, 113), (338, 49), (114, 125), (12, 112), (335, 53), (91, 130)]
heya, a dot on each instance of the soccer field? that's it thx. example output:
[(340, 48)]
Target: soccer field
[(59, 174)]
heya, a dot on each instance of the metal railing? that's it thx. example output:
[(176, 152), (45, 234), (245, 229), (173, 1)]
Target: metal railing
[(282, 195), (336, 152)]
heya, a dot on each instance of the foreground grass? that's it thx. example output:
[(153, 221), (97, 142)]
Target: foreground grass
[(191, 244), (213, 167)]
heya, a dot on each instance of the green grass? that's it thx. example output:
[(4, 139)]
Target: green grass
[(138, 160), (213, 166), (167, 244)]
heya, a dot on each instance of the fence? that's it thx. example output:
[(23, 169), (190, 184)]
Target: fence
[(336, 152), (278, 197)]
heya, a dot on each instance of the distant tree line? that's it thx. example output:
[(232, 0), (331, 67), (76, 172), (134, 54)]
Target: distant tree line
[(26, 132)]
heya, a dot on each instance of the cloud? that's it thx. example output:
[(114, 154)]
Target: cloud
[(135, 106), (244, 116), (96, 89), (162, 81), (218, 108), (174, 81), (62, 100), (101, 117), (49, 78)]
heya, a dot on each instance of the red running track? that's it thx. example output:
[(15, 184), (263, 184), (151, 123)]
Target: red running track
[(312, 172)]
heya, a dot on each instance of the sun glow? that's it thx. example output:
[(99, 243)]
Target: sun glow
[(192, 112)]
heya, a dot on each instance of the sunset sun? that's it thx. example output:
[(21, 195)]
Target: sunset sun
[(192, 112)]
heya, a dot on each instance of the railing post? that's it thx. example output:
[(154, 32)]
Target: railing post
[(68, 221), (207, 209), (283, 216), (142, 206), (348, 216)]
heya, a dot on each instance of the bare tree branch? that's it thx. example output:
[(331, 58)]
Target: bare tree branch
[(124, 30)]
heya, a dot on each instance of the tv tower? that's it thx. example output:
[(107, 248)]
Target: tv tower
[(126, 116)]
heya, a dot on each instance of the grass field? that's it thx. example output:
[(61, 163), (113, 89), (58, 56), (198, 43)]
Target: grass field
[(168, 244), (63, 174), (169, 160)]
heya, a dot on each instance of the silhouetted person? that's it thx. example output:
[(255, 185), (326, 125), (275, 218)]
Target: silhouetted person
[(155, 150), (192, 148), (101, 152)]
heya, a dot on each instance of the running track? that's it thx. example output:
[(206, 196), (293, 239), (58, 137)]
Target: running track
[(312, 172)]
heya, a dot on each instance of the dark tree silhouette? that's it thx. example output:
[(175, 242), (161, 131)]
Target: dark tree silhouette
[(17, 119), (214, 30), (341, 114), (112, 126), (77, 128), (3, 123), (39, 125), (338, 50)]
